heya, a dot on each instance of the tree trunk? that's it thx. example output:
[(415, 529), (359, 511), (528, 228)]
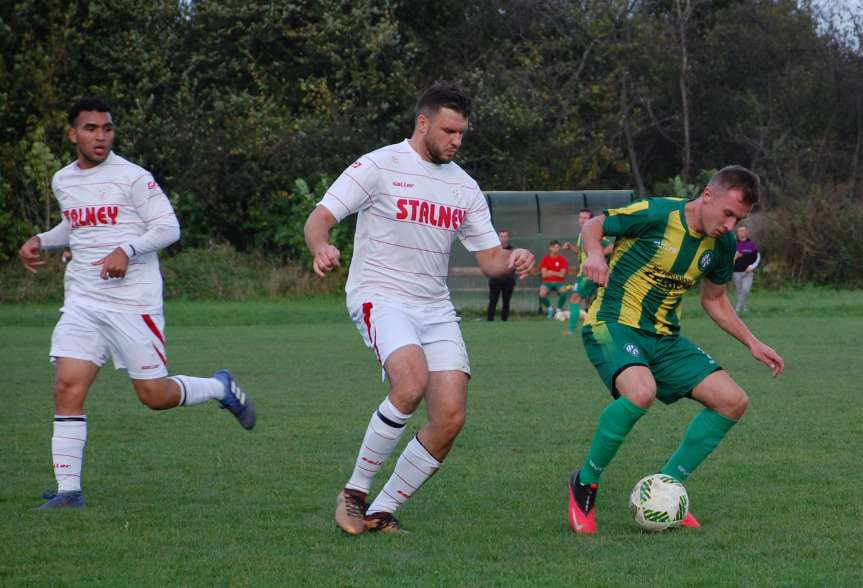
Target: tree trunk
[(855, 160), (627, 133), (684, 12)]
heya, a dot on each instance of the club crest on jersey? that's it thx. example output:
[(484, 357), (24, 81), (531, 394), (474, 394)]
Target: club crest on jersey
[(91, 216), (429, 213), (705, 260)]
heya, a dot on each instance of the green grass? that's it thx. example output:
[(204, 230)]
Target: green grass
[(186, 497)]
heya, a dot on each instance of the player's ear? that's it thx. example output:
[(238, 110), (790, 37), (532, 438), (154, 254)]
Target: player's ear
[(422, 123), (73, 135)]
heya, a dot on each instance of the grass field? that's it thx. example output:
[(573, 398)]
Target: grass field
[(186, 497)]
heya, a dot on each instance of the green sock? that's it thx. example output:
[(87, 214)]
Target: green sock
[(573, 316), (561, 300), (615, 423), (545, 302), (702, 436)]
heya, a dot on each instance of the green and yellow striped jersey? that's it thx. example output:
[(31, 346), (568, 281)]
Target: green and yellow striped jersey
[(656, 259), (582, 252)]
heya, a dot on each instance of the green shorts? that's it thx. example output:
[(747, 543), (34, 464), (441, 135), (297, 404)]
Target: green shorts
[(555, 286), (585, 287), (677, 364)]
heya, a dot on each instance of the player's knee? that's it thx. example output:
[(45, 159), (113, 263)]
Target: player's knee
[(452, 422), (63, 387), (409, 392), (738, 405), (642, 394), (67, 390)]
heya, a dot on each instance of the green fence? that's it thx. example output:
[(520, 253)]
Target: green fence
[(532, 219)]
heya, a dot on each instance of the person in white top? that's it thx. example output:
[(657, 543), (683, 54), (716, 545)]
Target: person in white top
[(115, 219), (412, 201)]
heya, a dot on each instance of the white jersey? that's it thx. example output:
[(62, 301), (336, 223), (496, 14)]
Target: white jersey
[(409, 213), (114, 204)]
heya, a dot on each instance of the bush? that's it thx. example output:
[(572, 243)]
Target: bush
[(216, 273), (814, 240), (221, 273)]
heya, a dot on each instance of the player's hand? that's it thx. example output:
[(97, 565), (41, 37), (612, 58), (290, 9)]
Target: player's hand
[(749, 270), (766, 355), (521, 262), (29, 254), (114, 265), (568, 245), (596, 268), (326, 259)]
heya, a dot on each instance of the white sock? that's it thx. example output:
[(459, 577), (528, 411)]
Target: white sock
[(198, 390), (67, 450), (382, 435), (414, 467)]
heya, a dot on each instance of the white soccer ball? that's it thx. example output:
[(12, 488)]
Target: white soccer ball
[(658, 502)]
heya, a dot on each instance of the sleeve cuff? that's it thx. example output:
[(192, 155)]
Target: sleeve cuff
[(129, 250)]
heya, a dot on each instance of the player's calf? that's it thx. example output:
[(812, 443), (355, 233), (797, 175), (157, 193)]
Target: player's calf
[(157, 394)]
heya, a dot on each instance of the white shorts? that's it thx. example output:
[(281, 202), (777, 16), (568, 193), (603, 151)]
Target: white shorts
[(134, 341), (386, 325)]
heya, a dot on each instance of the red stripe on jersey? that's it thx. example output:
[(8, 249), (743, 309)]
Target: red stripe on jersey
[(367, 319), (149, 320)]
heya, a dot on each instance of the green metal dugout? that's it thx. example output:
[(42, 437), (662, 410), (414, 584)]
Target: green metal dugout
[(532, 219)]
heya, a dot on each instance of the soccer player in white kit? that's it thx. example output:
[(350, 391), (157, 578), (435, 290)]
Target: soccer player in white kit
[(115, 220), (411, 202)]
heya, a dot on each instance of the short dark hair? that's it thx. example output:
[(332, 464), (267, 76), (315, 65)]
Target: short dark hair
[(553, 242), (739, 178), (87, 104), (587, 210), (443, 95)]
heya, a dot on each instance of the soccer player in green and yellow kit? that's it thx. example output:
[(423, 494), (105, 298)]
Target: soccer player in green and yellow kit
[(584, 288), (631, 335)]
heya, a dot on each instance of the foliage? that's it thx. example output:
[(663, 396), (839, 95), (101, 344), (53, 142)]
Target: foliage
[(229, 102), (675, 187), (814, 240), (218, 272)]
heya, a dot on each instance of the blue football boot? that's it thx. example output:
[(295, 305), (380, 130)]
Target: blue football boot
[(236, 400), (62, 500)]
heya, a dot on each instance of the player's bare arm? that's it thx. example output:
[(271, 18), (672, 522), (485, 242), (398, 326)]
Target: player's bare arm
[(29, 254), (498, 262), (715, 302), (317, 232), (595, 266)]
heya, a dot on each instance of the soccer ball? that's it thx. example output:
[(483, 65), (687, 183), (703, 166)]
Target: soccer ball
[(658, 502)]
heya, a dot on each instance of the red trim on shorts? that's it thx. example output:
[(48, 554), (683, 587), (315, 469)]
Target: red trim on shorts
[(149, 320), (367, 319), (161, 356)]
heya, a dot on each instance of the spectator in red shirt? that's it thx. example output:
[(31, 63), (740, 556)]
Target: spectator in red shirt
[(553, 268)]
